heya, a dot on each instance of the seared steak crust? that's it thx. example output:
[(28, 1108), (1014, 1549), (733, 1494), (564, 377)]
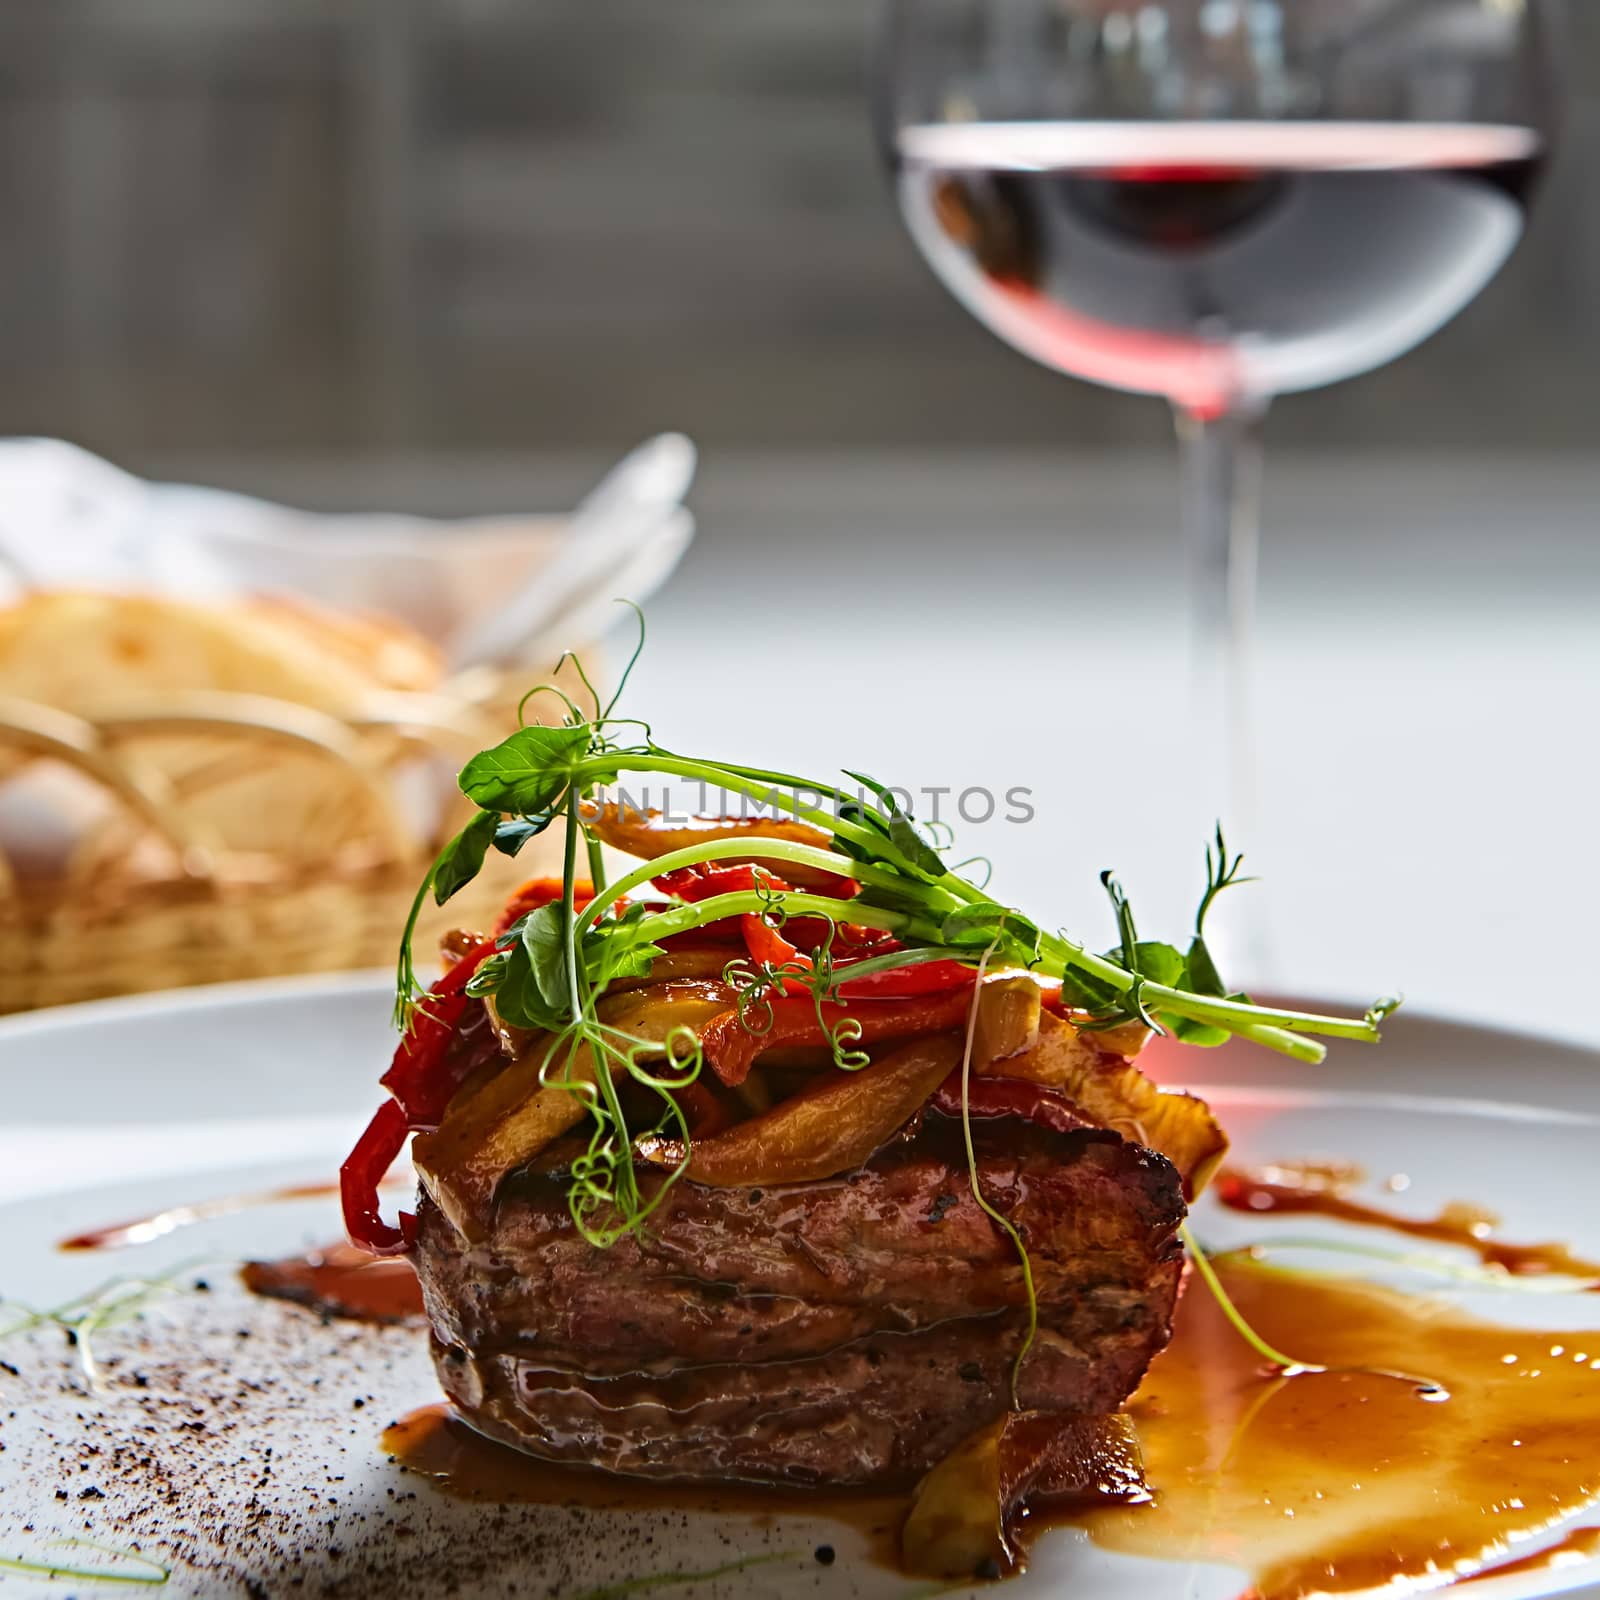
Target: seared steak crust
[(846, 1332)]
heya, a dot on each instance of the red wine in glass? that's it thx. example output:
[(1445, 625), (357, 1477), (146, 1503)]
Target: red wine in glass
[(1214, 261)]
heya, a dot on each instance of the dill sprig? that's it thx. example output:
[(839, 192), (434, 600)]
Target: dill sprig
[(553, 965), (155, 1573)]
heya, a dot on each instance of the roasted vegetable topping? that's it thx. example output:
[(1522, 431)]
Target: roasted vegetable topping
[(804, 948)]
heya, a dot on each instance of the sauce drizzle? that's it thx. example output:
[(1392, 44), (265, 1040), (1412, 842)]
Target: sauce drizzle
[(143, 1230), (1342, 1480), (1291, 1189)]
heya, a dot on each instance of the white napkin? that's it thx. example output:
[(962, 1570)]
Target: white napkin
[(70, 520)]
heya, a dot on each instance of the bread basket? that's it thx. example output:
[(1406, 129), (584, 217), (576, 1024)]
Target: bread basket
[(196, 836), (158, 905)]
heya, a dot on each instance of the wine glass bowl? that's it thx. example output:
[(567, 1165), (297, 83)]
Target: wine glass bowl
[(1211, 262), (1214, 200)]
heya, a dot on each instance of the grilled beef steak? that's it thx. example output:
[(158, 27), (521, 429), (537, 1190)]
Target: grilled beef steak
[(852, 1331)]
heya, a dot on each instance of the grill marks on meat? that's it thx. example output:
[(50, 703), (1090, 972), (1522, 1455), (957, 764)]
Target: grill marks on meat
[(846, 1332)]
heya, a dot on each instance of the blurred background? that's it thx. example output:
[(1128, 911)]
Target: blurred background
[(256, 226), (454, 256)]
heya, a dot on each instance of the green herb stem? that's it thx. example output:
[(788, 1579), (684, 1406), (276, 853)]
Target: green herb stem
[(694, 855), (750, 902), (1423, 1261), (1271, 1026), (597, 864), (896, 959), (50, 1570)]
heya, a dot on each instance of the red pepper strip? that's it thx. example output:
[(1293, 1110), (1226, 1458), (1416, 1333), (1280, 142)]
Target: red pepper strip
[(989, 1097), (728, 877), (731, 1049), (711, 878), (359, 1177), (540, 892), (415, 1077), (768, 944), (763, 942), (849, 938), (421, 1078), (707, 878), (898, 983)]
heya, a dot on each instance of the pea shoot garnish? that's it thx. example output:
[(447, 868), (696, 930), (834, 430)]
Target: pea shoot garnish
[(854, 863)]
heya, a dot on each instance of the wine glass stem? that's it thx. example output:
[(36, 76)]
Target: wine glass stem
[(1221, 454)]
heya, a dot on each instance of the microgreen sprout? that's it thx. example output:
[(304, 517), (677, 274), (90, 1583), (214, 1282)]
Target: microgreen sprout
[(1290, 1366)]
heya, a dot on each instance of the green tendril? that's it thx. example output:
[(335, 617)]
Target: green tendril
[(1000, 1220), (574, 715), (1290, 1366), (1208, 1273)]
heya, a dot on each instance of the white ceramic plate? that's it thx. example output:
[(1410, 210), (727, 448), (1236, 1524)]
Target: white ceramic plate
[(252, 1463)]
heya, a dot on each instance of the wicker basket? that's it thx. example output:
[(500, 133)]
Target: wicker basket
[(156, 902)]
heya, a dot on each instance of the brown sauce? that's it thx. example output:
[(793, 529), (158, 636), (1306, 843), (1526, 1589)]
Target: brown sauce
[(1582, 1544), (142, 1230), (434, 1442), (1334, 1481), (341, 1281), (1323, 1191)]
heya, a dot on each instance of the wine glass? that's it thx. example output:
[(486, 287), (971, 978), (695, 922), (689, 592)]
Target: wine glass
[(1215, 201)]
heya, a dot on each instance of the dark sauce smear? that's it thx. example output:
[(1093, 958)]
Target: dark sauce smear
[(341, 1281), (435, 1443), (1324, 1191)]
